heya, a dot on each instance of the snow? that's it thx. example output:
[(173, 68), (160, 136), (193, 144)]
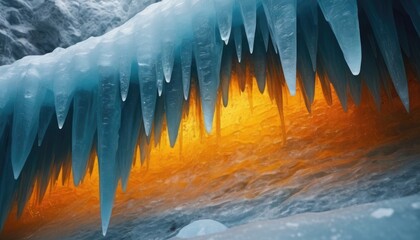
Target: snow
[(38, 26), (348, 223)]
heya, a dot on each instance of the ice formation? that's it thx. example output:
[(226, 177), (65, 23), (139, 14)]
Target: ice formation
[(201, 228), (111, 93)]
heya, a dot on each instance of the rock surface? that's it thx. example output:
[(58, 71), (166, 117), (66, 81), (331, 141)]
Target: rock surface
[(39, 26)]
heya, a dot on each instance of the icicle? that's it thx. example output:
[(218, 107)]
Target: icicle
[(259, 59), (25, 118), (159, 76), (159, 115), (332, 61), (237, 37), (205, 51), (263, 26), (173, 103), (343, 19), (147, 93), (125, 56), (402, 34), (308, 22), (167, 59), (83, 131), (413, 9), (381, 19), (45, 117), (249, 16), (108, 124), (63, 92), (128, 134), (305, 70), (226, 73), (186, 59), (281, 15), (125, 73), (224, 18)]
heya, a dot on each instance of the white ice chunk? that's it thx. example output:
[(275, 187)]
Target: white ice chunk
[(201, 228), (382, 213)]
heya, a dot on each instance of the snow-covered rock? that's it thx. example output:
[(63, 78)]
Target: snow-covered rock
[(32, 27)]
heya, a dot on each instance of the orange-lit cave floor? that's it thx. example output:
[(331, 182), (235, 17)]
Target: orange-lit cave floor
[(246, 170)]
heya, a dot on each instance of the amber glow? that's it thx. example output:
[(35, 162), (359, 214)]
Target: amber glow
[(247, 141)]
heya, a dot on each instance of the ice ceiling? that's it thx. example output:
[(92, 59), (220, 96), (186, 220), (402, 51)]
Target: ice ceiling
[(110, 94)]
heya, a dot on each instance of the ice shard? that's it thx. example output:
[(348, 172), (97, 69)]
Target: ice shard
[(413, 9), (237, 37), (343, 19), (108, 124), (225, 73), (167, 59), (305, 71), (186, 61), (83, 131), (263, 26), (224, 18), (160, 78), (381, 19), (25, 119), (281, 16), (173, 103), (308, 22), (146, 60), (63, 91), (205, 51), (249, 16), (125, 73), (45, 117), (128, 134), (259, 60)]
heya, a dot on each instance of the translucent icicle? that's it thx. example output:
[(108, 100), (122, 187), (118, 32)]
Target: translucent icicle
[(129, 132), (160, 78), (125, 73), (412, 7), (382, 21), (186, 59), (63, 92), (343, 18), (206, 61), (173, 103), (249, 17), (237, 37), (282, 15), (263, 26), (83, 131), (225, 73), (167, 59), (108, 124), (224, 18), (260, 64), (308, 23), (25, 118)]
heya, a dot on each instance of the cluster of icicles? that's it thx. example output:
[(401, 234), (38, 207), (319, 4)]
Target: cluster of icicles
[(108, 94)]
